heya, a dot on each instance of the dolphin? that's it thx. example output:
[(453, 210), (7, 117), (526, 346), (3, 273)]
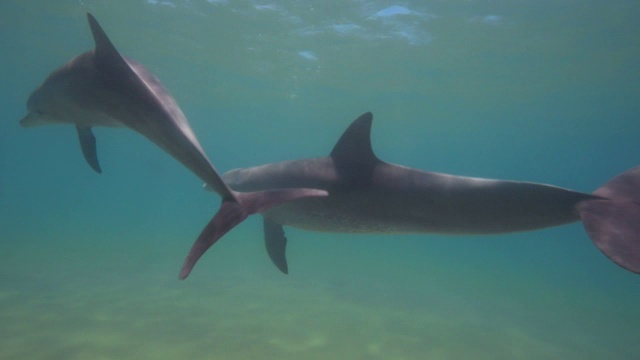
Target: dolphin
[(103, 88), (368, 195)]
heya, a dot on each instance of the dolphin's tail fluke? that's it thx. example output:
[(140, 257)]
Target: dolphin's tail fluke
[(613, 220), (231, 213)]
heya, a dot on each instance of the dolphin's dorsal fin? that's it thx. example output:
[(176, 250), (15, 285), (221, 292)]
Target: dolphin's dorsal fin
[(106, 55), (354, 145), (352, 154)]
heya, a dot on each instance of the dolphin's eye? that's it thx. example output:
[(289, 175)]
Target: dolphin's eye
[(39, 112)]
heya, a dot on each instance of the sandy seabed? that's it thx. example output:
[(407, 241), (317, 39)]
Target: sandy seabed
[(111, 307)]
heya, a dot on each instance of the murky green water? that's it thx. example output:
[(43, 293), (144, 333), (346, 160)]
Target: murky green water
[(543, 91)]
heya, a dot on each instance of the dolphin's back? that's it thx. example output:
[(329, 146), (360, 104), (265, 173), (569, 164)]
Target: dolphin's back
[(141, 103), (432, 202)]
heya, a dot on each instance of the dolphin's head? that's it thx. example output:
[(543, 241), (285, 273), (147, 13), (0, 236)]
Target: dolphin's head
[(45, 105), (71, 95), (38, 108), (53, 102)]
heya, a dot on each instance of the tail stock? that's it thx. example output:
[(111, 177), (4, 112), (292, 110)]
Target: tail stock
[(232, 213), (612, 221)]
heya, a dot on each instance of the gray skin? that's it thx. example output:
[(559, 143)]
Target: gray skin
[(367, 195), (103, 88)]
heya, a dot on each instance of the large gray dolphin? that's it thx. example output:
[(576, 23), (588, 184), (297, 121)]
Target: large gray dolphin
[(103, 88), (367, 195)]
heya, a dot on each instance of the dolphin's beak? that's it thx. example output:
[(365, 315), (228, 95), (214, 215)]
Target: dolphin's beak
[(30, 120)]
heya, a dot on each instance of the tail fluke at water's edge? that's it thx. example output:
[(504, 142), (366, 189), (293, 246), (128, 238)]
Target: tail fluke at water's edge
[(613, 222), (231, 213)]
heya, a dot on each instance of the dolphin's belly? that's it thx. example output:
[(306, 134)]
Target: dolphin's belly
[(338, 221), (399, 199), (338, 214), (95, 118)]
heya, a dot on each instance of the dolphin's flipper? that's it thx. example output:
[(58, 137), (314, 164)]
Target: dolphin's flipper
[(613, 223), (231, 213), (276, 243), (88, 145)]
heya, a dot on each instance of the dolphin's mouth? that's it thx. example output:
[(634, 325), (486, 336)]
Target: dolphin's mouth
[(24, 122), (28, 121)]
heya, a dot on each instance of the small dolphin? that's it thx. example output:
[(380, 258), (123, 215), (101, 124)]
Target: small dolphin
[(103, 88), (367, 195)]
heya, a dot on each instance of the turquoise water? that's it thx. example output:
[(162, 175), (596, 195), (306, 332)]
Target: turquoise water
[(543, 91)]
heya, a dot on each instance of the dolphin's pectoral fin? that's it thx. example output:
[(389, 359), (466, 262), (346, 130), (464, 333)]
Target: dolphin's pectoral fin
[(276, 243), (88, 145)]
